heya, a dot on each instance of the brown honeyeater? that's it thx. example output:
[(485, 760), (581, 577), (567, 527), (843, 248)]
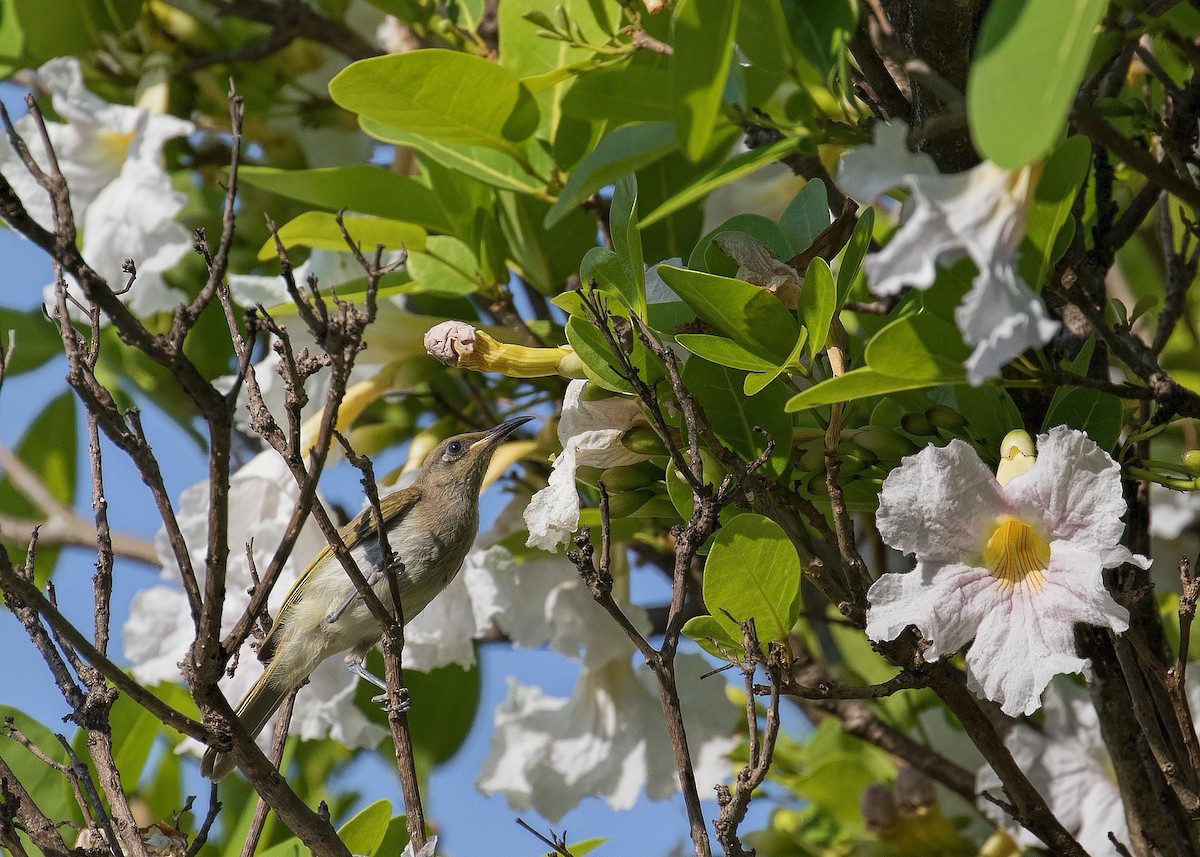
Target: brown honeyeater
[(430, 526)]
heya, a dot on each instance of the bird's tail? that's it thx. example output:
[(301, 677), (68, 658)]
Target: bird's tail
[(255, 710)]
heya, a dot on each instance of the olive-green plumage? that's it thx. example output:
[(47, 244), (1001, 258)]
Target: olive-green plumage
[(431, 526)]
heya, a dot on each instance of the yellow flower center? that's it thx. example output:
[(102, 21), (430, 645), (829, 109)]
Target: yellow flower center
[(113, 145), (1016, 554)]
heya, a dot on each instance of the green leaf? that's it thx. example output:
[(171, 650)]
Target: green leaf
[(820, 29), (361, 188), (806, 216), (726, 352), (920, 346), (725, 172), (364, 833), (444, 95), (753, 572), (43, 782), (617, 154), (1092, 411), (817, 304), (852, 258), (589, 344), (447, 266), (319, 230), (719, 390), (35, 339), (702, 35), (489, 166), (627, 241), (860, 384), (710, 635), (48, 448), (706, 256), (747, 314), (1025, 73), (544, 258), (630, 93), (1065, 172)]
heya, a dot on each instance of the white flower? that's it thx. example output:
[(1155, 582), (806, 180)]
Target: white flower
[(590, 433), (607, 739), (1013, 566), (159, 630), (980, 213), (1069, 765), (110, 155)]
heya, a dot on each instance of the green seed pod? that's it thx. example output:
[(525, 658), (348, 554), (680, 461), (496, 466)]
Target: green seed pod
[(917, 424), (944, 417), (627, 502), (588, 475), (643, 440), (851, 451), (656, 507), (889, 445), (628, 478), (1191, 461)]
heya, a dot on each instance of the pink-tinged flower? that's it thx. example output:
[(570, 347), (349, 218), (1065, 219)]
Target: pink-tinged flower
[(1011, 566), (1067, 762), (981, 214)]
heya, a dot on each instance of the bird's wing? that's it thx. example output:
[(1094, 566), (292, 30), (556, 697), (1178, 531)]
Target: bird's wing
[(394, 507)]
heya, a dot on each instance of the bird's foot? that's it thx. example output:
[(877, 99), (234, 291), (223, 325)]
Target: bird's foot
[(403, 705), (337, 612), (355, 665)]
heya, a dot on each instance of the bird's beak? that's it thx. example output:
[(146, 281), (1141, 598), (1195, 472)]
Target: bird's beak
[(500, 432)]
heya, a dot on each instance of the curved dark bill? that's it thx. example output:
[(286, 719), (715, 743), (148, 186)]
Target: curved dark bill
[(505, 429)]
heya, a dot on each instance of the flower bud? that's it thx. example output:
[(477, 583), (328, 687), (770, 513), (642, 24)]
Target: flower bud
[(889, 445), (944, 417), (457, 343), (1016, 455), (917, 424), (1191, 461), (643, 440), (913, 791)]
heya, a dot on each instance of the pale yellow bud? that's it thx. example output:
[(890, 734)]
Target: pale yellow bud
[(1016, 456), (459, 344)]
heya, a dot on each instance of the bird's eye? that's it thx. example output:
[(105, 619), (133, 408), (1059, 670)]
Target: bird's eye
[(455, 447)]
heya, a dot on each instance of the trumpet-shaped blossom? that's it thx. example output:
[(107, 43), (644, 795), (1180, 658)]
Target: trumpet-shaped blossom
[(122, 199), (1069, 765), (980, 213), (607, 739), (590, 433), (1011, 566)]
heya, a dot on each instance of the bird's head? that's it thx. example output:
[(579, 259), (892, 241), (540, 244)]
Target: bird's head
[(461, 461)]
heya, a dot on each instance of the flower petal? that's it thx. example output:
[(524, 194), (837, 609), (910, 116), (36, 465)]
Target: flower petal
[(1074, 489), (1002, 318), (939, 503)]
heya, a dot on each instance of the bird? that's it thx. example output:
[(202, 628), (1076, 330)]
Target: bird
[(431, 525)]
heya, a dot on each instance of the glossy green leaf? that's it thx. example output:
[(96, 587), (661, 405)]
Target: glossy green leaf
[(1025, 73), (1092, 411), (319, 230), (710, 635), (365, 831), (489, 166), (609, 272), (706, 256), (394, 839), (39, 779), (447, 266), (630, 93), (34, 337), (806, 216), (861, 384), (747, 314), (733, 417), (727, 171), (361, 188), (753, 572), (627, 241), (820, 30), (702, 35), (544, 257), (763, 37), (852, 258), (597, 359), (442, 95), (1064, 173), (919, 346), (617, 154), (726, 352), (817, 304), (48, 448)]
